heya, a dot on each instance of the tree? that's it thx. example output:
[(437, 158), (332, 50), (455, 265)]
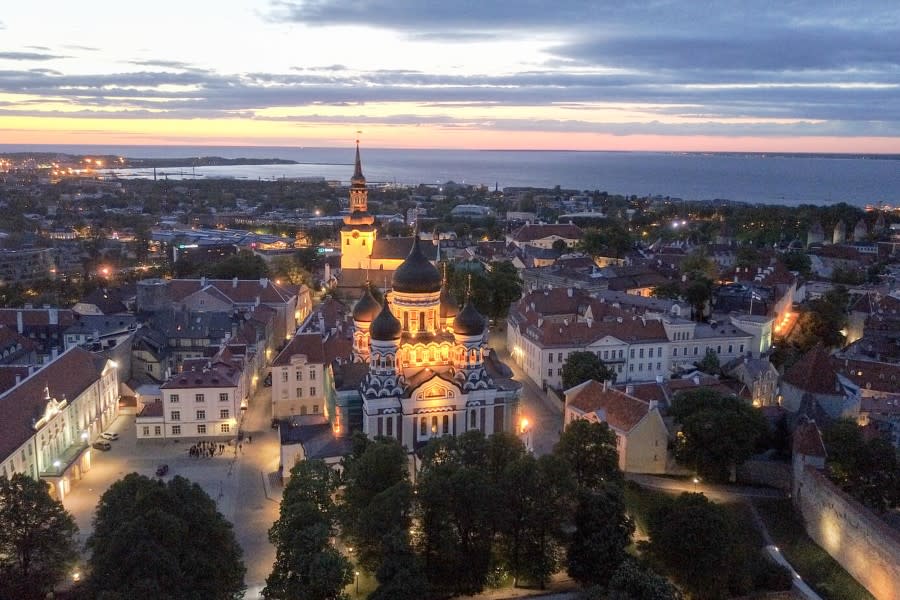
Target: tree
[(307, 566), (560, 246), (670, 290), (717, 436), (376, 498), (798, 261), (692, 537), (709, 363), (536, 493), (288, 269), (602, 533), (154, 539), (824, 321), (505, 287), (590, 450), (243, 265), (37, 539), (698, 293), (583, 366), (400, 574), (867, 470), (631, 581)]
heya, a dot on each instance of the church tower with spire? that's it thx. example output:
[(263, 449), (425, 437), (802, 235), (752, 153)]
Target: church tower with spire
[(358, 233)]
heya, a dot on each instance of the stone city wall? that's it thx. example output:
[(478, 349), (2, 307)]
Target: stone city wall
[(862, 543)]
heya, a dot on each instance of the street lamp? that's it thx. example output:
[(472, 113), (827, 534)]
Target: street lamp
[(696, 480), (357, 583)]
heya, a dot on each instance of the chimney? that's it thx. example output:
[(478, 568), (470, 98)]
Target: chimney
[(696, 379), (20, 324), (629, 389), (654, 405), (264, 282), (53, 316), (203, 281), (659, 379), (18, 379), (54, 353), (234, 282), (569, 292), (605, 385)]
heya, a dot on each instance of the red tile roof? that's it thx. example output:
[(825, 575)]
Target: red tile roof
[(218, 376), (309, 344), (621, 411), (869, 375), (66, 377), (239, 291), (814, 373), (808, 440)]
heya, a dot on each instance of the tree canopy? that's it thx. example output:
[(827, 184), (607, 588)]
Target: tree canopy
[(37, 539), (867, 470), (590, 450), (581, 366), (155, 539), (718, 433)]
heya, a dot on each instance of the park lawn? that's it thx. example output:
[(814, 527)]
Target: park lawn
[(815, 566)]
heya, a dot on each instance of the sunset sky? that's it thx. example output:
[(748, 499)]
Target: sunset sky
[(785, 75)]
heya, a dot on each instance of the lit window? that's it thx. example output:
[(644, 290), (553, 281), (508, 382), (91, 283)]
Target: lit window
[(225, 428)]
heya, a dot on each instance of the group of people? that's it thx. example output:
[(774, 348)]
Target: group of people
[(206, 449)]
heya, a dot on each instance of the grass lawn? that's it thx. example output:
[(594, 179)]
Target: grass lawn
[(818, 569)]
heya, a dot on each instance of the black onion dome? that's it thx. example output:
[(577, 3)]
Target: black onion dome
[(416, 274), (449, 307), (367, 308), (469, 321), (385, 327)]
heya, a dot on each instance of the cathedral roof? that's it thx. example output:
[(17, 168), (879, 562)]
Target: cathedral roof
[(385, 327), (469, 321), (416, 274), (367, 308), (449, 307)]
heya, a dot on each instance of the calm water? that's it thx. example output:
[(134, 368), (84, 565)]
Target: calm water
[(750, 178)]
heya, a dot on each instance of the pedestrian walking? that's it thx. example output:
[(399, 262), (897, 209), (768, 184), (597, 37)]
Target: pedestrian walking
[(241, 447), (249, 439)]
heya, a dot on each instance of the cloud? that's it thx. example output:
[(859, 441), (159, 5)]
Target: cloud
[(165, 64), (28, 56), (83, 48)]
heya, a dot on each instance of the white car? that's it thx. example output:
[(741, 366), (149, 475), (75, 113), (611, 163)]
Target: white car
[(108, 435)]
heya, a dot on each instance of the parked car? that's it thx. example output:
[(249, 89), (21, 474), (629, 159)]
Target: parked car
[(162, 470), (108, 435), (101, 445)]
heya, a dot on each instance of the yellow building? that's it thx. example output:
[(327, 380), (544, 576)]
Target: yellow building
[(365, 256), (641, 435)]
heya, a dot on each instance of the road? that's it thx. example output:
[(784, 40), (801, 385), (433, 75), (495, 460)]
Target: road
[(234, 480), (545, 415), (719, 493)]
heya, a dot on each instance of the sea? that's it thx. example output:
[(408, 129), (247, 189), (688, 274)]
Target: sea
[(789, 179)]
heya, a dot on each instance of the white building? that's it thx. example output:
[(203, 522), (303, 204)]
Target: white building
[(546, 326), (49, 419), (298, 377), (203, 401)]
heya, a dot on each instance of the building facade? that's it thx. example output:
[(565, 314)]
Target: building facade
[(428, 373), (49, 419)]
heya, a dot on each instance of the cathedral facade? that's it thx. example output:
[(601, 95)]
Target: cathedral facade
[(430, 371)]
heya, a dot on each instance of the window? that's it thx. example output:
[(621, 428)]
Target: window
[(173, 398), (742, 349), (434, 425), (423, 427), (659, 352), (718, 349), (201, 429), (472, 417), (299, 392), (175, 416), (312, 391), (298, 375), (157, 430), (201, 415), (199, 398), (631, 368), (640, 366), (225, 428), (641, 353), (446, 424), (559, 356), (559, 372), (730, 349), (312, 374), (631, 353), (315, 409), (223, 397), (605, 354), (549, 372), (176, 429), (650, 353), (696, 350), (621, 353), (674, 351), (550, 357), (389, 424), (224, 413), (284, 376), (146, 430), (658, 366)]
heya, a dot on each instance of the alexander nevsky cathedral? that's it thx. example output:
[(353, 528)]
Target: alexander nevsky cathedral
[(430, 370)]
